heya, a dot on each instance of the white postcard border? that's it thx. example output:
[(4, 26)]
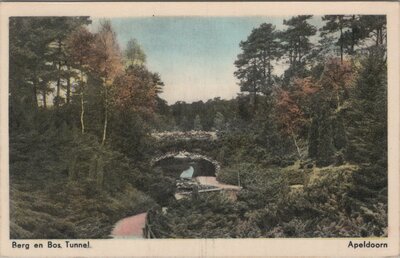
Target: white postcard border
[(210, 247)]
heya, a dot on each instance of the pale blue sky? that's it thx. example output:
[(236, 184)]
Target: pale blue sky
[(193, 55)]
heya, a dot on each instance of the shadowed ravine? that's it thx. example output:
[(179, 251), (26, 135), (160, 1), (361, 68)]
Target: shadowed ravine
[(191, 175)]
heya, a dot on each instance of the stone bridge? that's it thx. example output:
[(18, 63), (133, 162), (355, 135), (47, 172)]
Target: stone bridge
[(193, 145), (176, 150), (187, 155), (189, 145)]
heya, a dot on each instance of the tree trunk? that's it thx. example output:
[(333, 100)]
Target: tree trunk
[(255, 101), (105, 113), (297, 146), (269, 73), (57, 102), (82, 102), (59, 75), (35, 98), (353, 38), (295, 52), (254, 88), (105, 126), (299, 50), (264, 72), (341, 45), (44, 95), (82, 113), (58, 92), (68, 87)]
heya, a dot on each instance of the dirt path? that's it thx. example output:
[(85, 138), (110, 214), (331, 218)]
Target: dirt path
[(130, 227), (212, 181)]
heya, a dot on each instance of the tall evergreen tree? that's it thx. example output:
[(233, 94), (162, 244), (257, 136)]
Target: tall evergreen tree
[(375, 26), (368, 132), (368, 116), (255, 63), (296, 44), (29, 67), (347, 31), (335, 23), (355, 34), (59, 29)]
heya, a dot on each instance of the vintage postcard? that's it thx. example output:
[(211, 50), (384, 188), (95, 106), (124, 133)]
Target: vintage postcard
[(199, 129)]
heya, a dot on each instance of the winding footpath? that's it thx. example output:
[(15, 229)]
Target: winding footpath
[(130, 227)]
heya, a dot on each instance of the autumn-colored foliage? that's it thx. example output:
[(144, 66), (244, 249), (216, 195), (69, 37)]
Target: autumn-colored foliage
[(106, 60), (337, 75), (136, 90), (293, 106), (290, 116), (289, 113), (79, 47), (305, 87)]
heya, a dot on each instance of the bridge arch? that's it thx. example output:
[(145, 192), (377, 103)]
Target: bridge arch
[(186, 155)]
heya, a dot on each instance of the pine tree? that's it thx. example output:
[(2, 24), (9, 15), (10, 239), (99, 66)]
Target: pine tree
[(368, 117), (29, 63), (296, 45), (367, 123), (375, 27), (255, 63), (335, 23)]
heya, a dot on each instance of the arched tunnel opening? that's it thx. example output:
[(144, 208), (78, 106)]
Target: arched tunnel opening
[(186, 167)]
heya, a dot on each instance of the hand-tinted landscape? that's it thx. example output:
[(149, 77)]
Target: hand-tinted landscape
[(263, 128)]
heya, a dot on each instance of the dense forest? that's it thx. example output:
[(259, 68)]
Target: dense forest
[(308, 146)]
